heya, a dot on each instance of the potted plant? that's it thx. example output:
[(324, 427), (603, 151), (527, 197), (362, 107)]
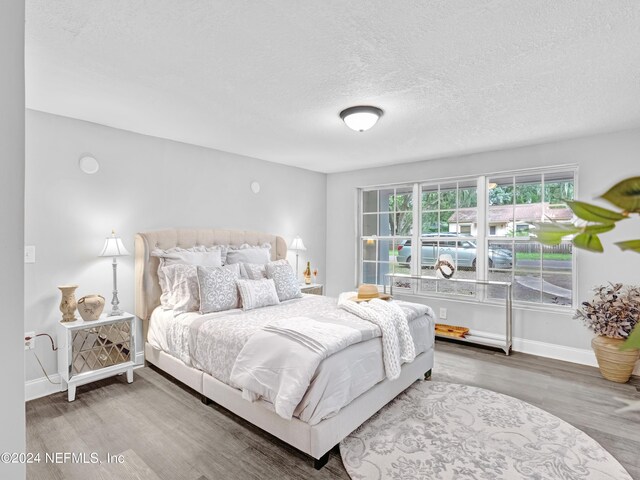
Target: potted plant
[(612, 314)]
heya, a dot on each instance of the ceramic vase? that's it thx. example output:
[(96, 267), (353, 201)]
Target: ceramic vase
[(615, 365), (68, 303), (90, 307)]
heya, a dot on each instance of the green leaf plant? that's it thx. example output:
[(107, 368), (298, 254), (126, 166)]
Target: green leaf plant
[(594, 221)]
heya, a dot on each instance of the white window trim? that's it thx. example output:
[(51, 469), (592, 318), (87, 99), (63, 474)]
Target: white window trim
[(482, 237)]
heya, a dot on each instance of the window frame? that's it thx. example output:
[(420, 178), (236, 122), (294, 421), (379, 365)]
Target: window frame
[(482, 237), (377, 238)]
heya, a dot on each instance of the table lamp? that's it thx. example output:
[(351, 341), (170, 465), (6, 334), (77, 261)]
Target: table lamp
[(114, 248), (297, 246)]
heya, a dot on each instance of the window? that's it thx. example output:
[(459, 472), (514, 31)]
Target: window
[(486, 236), (386, 227), (448, 214), (539, 274)]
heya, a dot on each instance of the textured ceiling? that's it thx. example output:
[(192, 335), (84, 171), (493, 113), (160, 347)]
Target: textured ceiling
[(268, 79)]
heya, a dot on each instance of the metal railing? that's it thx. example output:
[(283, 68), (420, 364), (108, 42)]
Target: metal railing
[(472, 338)]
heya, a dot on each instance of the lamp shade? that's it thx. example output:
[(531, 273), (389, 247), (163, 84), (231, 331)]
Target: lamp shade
[(113, 247), (297, 245)]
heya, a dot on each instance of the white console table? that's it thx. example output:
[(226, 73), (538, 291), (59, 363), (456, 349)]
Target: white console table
[(505, 344)]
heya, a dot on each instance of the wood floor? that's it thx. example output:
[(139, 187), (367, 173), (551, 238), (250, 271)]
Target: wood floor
[(163, 431)]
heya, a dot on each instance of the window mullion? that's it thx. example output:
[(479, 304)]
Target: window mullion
[(482, 241), (416, 235), (541, 270)]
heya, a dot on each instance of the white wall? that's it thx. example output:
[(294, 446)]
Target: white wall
[(12, 417), (602, 160), (144, 183)]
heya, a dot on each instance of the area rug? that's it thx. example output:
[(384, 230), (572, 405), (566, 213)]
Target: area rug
[(448, 431)]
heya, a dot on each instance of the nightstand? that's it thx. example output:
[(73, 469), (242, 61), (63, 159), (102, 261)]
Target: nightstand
[(313, 288), (90, 351)]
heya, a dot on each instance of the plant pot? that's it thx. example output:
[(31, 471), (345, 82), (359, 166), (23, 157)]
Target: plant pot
[(615, 365), (90, 307)]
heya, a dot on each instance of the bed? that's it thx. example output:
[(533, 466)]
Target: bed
[(334, 405)]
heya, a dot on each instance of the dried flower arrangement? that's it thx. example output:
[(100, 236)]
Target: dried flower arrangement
[(613, 312)]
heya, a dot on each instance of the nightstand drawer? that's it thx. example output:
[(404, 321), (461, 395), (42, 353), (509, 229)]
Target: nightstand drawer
[(101, 346)]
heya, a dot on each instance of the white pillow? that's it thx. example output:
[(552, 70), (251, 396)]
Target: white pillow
[(257, 293), (217, 288), (248, 254), (182, 286), (285, 279), (199, 255), (253, 271)]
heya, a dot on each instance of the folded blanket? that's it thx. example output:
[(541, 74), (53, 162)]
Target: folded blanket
[(397, 344), (278, 362)]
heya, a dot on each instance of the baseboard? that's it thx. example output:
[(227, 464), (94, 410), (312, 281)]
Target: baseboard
[(41, 387), (583, 356)]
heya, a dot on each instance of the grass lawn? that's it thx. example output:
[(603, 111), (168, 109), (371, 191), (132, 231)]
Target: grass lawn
[(546, 256)]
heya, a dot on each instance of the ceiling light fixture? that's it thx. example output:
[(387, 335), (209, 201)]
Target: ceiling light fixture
[(360, 118)]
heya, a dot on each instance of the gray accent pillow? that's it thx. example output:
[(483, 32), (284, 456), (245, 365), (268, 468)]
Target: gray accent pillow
[(253, 271), (257, 293), (248, 254), (182, 285), (200, 255), (217, 288), (285, 279)]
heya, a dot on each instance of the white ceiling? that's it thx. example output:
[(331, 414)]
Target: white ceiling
[(268, 79)]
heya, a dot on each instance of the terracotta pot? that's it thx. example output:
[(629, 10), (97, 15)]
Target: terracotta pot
[(615, 365), (90, 307), (68, 303)]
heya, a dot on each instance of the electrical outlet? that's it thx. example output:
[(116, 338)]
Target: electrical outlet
[(29, 340), (443, 313), (29, 254)]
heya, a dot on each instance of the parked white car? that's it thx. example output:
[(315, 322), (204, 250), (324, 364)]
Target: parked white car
[(462, 250)]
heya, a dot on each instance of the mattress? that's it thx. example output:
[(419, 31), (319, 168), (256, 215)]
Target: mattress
[(212, 342)]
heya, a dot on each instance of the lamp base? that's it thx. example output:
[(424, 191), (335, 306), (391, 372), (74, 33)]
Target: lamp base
[(115, 313)]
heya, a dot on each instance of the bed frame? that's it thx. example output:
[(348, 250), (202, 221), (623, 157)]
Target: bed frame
[(314, 440)]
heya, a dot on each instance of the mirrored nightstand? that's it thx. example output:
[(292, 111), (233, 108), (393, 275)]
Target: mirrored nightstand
[(90, 351)]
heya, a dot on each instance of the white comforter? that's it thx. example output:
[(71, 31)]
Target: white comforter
[(213, 342), (278, 362)]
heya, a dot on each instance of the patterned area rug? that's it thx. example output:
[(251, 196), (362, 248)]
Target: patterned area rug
[(449, 431)]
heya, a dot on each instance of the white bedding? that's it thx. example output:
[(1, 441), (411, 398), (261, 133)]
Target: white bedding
[(212, 342)]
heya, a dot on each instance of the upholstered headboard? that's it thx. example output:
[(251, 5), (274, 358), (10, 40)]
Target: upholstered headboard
[(147, 286)]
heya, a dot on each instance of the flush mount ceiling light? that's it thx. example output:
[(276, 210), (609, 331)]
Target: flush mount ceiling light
[(360, 118)]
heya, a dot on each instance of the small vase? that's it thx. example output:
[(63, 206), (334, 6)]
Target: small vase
[(615, 365), (90, 307), (68, 303)]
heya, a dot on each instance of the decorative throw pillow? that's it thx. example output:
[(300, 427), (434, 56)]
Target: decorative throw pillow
[(200, 255), (217, 288), (285, 279), (257, 293), (253, 271), (182, 285), (248, 254)]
